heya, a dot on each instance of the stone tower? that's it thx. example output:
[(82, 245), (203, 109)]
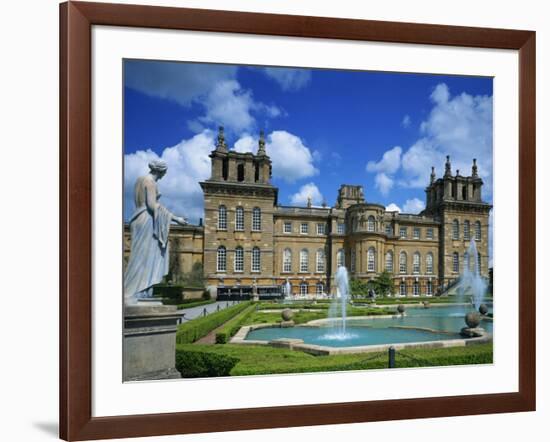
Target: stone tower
[(239, 201), (456, 201)]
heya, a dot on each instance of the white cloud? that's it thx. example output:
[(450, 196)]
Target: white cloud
[(246, 144), (383, 183), (393, 208), (188, 163), (292, 159), (309, 190), (289, 79), (389, 164), (459, 126), (229, 105), (413, 205), (179, 82), (406, 122)]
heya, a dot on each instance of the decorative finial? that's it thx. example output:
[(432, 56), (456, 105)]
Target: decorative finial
[(457, 172), (324, 204), (448, 166), (261, 144), (309, 201), (432, 175), (474, 169), (220, 145)]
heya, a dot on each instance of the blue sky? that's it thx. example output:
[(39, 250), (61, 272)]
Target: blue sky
[(324, 128)]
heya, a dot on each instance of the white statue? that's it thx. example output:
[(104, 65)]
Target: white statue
[(149, 227)]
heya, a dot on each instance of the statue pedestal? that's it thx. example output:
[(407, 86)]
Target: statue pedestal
[(150, 342)]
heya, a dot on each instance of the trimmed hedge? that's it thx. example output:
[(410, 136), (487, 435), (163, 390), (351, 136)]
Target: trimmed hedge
[(195, 329), (233, 325), (196, 364)]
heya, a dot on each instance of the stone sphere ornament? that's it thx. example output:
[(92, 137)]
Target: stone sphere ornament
[(472, 319), (287, 314), (483, 309), (401, 308)]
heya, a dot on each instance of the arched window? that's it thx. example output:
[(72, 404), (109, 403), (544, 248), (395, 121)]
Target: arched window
[(466, 230), (389, 261), (256, 219), (478, 263), (416, 288), (466, 262), (221, 259), (455, 262), (478, 231), (320, 260), (352, 259), (429, 263), (239, 218), (222, 218), (416, 262), (320, 288), (403, 288), (402, 262), (303, 288), (287, 260), (256, 260), (304, 259), (456, 233), (239, 259), (340, 258), (371, 265), (371, 224)]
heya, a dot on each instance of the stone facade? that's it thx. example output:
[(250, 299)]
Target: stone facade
[(251, 244)]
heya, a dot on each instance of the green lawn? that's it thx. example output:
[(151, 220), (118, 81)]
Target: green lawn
[(257, 359)]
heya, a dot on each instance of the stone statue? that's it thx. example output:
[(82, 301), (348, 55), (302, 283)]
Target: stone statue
[(149, 227)]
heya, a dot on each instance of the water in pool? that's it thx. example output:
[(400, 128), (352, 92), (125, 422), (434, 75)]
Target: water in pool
[(445, 321)]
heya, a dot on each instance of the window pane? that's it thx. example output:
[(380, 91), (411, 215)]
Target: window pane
[(222, 217), (239, 259), (256, 219), (221, 259), (239, 218), (256, 264)]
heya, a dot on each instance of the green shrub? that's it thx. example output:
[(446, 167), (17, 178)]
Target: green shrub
[(233, 325), (197, 328), (196, 364)]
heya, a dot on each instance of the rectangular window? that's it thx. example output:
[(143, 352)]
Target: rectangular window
[(429, 288), (416, 288), (287, 227), (239, 259), (304, 257), (416, 233), (222, 218), (320, 289), (304, 228), (402, 232), (256, 219), (430, 233), (352, 259), (303, 288), (341, 228), (321, 229), (389, 229), (256, 262), (403, 288), (320, 261), (239, 219)]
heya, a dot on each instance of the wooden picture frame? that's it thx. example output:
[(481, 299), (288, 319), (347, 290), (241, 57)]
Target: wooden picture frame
[(76, 21)]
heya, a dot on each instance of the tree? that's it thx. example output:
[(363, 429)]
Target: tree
[(358, 287), (383, 283)]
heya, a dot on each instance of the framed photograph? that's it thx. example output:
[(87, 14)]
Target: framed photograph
[(272, 221)]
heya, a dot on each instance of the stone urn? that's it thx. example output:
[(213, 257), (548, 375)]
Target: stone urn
[(472, 319), (287, 314), (401, 308), (483, 309)]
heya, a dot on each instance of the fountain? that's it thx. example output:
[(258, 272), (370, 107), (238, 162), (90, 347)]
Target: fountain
[(339, 305), (473, 280), (288, 289)]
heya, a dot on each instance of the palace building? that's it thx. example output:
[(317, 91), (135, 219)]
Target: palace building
[(249, 243)]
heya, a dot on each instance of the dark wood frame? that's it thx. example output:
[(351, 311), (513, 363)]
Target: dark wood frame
[(76, 20)]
